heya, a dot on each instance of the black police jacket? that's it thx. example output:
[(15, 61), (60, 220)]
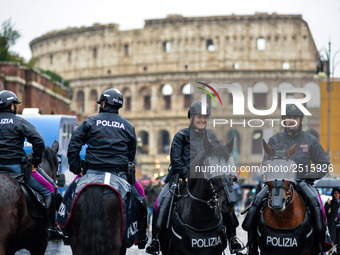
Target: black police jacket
[(186, 144), (13, 131), (308, 151), (111, 141)]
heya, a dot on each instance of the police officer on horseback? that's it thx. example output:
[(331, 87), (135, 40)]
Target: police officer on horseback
[(186, 144), (13, 132), (111, 141), (308, 150)]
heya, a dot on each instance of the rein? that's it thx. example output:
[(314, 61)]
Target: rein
[(212, 202)]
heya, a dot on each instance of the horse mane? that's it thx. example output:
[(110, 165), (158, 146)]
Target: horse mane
[(95, 234), (50, 155)]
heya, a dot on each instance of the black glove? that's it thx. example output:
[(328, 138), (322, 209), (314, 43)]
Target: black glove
[(75, 169)]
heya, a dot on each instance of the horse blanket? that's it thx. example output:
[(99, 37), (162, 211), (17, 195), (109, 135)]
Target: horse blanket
[(129, 207)]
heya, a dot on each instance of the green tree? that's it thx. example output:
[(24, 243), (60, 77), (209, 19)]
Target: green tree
[(8, 36)]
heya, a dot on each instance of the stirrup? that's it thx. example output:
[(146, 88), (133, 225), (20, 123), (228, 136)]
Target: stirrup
[(54, 233), (142, 243), (236, 239), (153, 247)]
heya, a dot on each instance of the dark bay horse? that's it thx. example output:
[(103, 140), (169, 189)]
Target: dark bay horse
[(196, 226), (285, 226), (18, 229), (96, 223)]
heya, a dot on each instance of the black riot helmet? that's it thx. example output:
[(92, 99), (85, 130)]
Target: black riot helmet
[(196, 108), (7, 98), (293, 110), (112, 97)]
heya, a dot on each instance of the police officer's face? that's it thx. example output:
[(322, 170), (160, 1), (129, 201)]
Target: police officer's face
[(200, 121), (293, 122)]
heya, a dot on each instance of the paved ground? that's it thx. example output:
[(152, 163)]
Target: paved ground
[(58, 248)]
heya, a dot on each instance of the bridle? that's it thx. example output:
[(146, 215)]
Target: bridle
[(213, 201), (287, 200)]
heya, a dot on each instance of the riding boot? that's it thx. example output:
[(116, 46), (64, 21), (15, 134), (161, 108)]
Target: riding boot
[(252, 243), (231, 222), (234, 243), (158, 223), (143, 238), (52, 232)]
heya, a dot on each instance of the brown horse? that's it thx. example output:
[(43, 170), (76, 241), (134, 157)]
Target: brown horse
[(18, 229), (285, 213)]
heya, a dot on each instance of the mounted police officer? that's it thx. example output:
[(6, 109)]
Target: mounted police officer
[(111, 141), (308, 150), (186, 144), (13, 132)]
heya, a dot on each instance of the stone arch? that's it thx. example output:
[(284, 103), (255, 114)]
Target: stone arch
[(187, 91), (93, 100), (80, 101), (143, 142), (281, 86), (235, 84), (167, 91), (146, 97), (260, 91), (163, 146), (127, 99)]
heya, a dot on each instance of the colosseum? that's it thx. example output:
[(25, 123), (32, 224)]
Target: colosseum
[(157, 67)]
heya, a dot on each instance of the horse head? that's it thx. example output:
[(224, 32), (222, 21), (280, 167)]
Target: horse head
[(277, 171), (50, 162), (216, 166)]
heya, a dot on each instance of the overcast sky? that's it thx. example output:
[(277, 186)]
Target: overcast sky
[(32, 18)]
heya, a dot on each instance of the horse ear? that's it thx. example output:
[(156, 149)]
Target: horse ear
[(230, 144), (290, 152), (55, 146), (206, 143), (267, 148)]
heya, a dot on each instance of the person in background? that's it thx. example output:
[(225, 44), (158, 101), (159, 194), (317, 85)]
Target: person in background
[(151, 193), (331, 208)]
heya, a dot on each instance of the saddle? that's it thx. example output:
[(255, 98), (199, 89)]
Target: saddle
[(35, 202), (130, 214)]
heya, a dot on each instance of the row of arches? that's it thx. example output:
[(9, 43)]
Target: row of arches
[(163, 141), (261, 96)]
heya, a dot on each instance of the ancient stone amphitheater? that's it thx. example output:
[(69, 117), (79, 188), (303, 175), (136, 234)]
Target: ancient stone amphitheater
[(156, 68)]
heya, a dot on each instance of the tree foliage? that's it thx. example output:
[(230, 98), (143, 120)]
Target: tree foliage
[(8, 37)]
